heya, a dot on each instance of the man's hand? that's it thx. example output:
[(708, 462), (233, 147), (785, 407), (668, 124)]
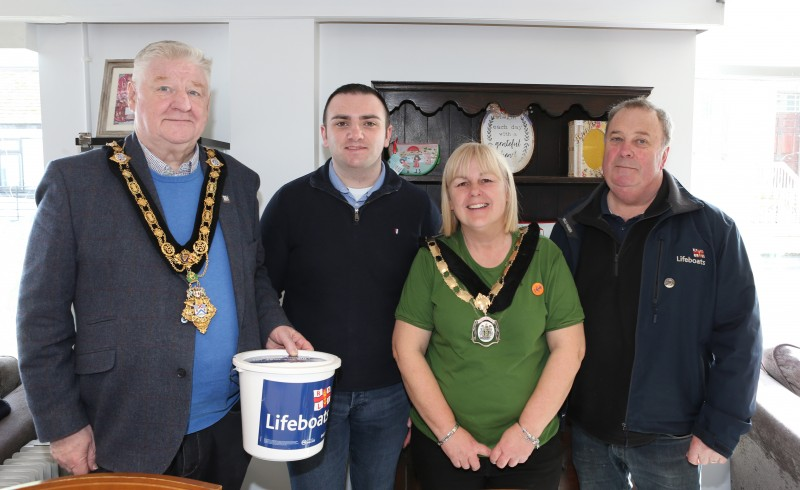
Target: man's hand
[(76, 453), (285, 337), (699, 453)]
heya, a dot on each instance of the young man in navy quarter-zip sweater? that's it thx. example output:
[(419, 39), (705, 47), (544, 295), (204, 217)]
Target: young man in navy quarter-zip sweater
[(339, 243)]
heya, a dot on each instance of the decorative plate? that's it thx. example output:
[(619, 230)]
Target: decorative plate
[(413, 158), (511, 135)]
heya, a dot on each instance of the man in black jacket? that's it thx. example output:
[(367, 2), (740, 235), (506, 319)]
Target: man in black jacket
[(339, 242), (673, 336)]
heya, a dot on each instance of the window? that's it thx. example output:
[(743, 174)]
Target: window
[(21, 167), (746, 144), (788, 102), (787, 129)]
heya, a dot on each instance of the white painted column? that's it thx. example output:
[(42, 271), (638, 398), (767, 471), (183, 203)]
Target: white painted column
[(61, 85), (273, 65)]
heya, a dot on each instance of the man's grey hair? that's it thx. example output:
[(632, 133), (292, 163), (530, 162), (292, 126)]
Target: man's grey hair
[(169, 50), (643, 103)]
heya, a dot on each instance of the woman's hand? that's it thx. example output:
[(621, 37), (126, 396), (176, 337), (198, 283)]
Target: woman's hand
[(463, 450), (409, 344), (513, 449)]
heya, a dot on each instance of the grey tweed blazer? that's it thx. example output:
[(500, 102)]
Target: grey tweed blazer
[(98, 325)]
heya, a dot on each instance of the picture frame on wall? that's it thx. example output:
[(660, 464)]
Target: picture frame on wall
[(115, 119)]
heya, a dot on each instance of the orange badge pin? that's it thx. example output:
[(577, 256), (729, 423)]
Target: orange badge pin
[(537, 289)]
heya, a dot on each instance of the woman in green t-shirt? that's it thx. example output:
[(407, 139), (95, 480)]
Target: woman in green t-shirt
[(487, 368)]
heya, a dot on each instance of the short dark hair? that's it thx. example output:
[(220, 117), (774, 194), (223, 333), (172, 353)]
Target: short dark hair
[(642, 103), (355, 88)]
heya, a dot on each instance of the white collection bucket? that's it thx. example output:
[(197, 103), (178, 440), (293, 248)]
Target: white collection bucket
[(285, 402)]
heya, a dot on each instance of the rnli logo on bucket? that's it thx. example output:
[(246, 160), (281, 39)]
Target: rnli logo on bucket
[(322, 398), (293, 415)]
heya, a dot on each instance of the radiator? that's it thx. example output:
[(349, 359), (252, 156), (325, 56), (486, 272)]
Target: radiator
[(32, 463)]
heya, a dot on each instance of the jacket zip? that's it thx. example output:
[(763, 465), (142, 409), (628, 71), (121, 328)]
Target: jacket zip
[(656, 286), (617, 248), (374, 197), (624, 424), (324, 185), (625, 432), (655, 318)]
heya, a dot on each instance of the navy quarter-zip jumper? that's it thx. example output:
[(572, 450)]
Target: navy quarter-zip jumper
[(342, 296)]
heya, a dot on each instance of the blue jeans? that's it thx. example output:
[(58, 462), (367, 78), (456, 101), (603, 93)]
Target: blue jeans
[(369, 427), (660, 464)]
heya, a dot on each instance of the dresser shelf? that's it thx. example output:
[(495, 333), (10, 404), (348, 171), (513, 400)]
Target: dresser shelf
[(450, 114)]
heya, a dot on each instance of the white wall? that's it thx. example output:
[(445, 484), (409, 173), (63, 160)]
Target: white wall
[(660, 59), (61, 84), (273, 105), (672, 14), (17, 35)]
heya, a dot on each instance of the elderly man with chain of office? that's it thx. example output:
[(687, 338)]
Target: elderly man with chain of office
[(144, 275)]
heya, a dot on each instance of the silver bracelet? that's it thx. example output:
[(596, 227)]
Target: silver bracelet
[(530, 437), (449, 435)]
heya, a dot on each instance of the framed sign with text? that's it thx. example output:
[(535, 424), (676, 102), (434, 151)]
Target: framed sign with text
[(511, 135)]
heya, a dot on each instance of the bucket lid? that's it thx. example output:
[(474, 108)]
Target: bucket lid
[(278, 360)]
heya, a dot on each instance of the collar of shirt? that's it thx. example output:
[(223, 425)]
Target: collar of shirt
[(158, 166), (619, 226), (339, 185)]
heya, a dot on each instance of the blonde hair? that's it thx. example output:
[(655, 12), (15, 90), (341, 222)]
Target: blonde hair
[(489, 161), (169, 50)]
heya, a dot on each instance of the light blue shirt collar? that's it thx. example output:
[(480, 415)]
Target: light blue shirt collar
[(339, 185), (161, 168)]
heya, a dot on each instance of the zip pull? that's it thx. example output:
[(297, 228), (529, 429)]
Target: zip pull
[(355, 215)]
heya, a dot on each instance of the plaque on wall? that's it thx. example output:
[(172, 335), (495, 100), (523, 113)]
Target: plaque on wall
[(511, 135)]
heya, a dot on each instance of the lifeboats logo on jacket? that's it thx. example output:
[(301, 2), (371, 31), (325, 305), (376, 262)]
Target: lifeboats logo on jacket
[(698, 257), (293, 415)]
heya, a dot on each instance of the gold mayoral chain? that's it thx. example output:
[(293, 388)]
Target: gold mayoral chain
[(485, 330), (198, 308)]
